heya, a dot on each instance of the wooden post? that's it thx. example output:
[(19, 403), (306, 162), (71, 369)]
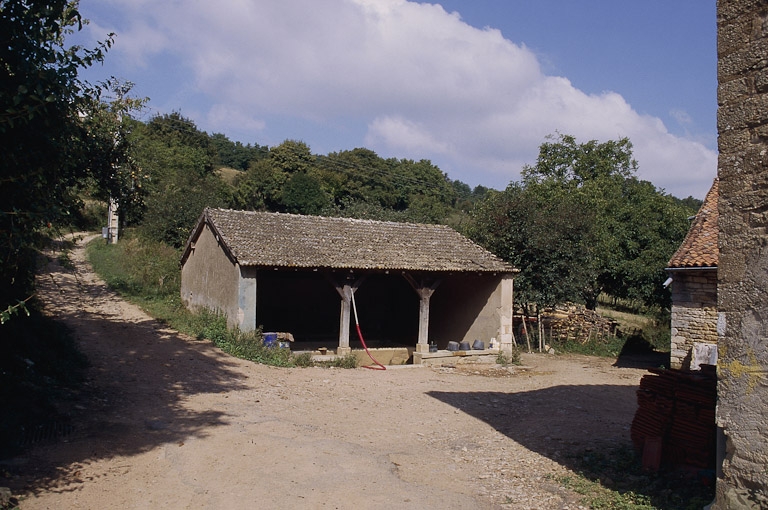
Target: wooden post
[(525, 329), (540, 329)]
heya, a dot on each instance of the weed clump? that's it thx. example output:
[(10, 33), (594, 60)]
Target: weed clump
[(348, 361), (613, 478), (508, 358)]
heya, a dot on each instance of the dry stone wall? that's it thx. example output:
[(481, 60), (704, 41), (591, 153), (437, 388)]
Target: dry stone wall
[(742, 409)]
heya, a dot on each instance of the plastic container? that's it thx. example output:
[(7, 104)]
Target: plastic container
[(270, 339)]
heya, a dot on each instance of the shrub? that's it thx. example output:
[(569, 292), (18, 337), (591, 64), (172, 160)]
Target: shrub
[(511, 358), (348, 361)]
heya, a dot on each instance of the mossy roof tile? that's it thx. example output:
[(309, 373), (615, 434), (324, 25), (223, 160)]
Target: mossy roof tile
[(699, 248), (266, 239)]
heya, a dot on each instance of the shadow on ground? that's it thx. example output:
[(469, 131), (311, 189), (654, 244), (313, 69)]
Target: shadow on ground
[(132, 399), (556, 422), (585, 428)]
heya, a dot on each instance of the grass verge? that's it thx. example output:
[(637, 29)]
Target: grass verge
[(147, 274), (614, 479)]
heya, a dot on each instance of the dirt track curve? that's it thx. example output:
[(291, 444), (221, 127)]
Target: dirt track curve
[(167, 421)]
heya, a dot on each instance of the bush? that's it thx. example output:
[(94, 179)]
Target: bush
[(304, 360), (137, 267), (609, 347)]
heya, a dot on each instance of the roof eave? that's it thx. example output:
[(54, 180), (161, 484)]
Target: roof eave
[(691, 268)]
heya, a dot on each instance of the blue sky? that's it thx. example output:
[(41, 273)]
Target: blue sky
[(474, 86)]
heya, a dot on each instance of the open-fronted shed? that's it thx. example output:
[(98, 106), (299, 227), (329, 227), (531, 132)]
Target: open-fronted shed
[(287, 272)]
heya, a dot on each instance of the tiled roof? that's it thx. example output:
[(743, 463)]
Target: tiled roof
[(289, 240), (699, 248)]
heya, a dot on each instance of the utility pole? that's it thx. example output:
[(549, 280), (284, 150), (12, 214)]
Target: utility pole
[(113, 217), (113, 220)]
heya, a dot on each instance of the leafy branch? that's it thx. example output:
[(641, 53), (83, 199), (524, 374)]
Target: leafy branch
[(19, 307)]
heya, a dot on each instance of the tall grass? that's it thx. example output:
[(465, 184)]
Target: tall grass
[(148, 274)]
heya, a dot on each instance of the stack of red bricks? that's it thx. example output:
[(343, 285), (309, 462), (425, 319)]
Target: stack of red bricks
[(676, 418)]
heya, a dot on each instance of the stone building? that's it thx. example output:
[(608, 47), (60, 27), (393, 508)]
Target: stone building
[(411, 283), (742, 121), (693, 270)]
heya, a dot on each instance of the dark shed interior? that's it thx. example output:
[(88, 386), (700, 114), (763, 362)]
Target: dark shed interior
[(306, 304)]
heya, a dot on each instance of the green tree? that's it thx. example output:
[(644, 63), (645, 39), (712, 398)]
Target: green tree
[(545, 238), (234, 154), (291, 156), (260, 187), (56, 135), (581, 221), (303, 194), (177, 159), (571, 164), (359, 175), (595, 172)]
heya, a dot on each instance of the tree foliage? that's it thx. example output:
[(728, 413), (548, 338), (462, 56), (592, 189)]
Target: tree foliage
[(543, 236), (348, 183), (581, 224), (56, 135), (236, 155), (177, 160)]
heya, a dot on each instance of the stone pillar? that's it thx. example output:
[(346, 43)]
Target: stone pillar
[(423, 342), (424, 287), (246, 301), (346, 308), (506, 309), (743, 265)]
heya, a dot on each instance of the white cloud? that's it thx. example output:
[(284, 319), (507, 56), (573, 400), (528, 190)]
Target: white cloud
[(221, 118), (681, 116), (426, 84)]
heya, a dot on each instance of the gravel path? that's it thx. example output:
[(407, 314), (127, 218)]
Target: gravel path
[(167, 421)]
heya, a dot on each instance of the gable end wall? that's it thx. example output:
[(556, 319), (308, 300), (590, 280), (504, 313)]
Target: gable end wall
[(209, 279)]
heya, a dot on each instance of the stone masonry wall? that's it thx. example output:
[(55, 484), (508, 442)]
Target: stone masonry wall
[(742, 409), (694, 313)]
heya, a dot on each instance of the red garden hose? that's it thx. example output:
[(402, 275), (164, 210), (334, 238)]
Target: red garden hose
[(360, 335)]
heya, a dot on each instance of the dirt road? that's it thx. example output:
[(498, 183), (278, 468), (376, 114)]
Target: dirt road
[(171, 422)]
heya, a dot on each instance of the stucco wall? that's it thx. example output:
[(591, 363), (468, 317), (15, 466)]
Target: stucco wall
[(209, 279), (694, 313), (742, 409), (466, 308)]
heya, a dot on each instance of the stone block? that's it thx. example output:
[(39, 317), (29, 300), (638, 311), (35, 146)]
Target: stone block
[(385, 356)]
